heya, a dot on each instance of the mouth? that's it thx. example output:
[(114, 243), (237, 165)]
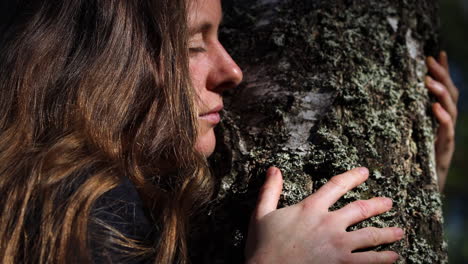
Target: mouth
[(212, 116)]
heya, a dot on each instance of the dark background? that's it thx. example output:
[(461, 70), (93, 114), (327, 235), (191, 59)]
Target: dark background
[(454, 19), (454, 31)]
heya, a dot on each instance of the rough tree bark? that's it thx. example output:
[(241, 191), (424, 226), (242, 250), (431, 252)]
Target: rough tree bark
[(330, 85)]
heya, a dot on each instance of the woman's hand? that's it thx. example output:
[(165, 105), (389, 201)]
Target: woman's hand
[(445, 111), (308, 233)]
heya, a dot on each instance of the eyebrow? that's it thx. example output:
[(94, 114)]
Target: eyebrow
[(203, 27)]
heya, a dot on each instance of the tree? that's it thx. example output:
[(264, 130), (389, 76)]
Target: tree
[(330, 85)]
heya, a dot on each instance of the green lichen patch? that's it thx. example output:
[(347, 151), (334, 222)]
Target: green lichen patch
[(366, 60)]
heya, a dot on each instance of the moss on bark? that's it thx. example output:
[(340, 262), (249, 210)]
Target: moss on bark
[(330, 85)]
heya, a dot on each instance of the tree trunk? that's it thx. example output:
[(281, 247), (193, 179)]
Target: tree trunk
[(329, 86)]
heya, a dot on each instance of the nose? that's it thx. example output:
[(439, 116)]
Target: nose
[(226, 74)]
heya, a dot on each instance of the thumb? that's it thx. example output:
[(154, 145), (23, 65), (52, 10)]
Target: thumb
[(269, 193)]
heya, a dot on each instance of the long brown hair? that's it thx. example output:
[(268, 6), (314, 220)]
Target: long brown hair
[(92, 92)]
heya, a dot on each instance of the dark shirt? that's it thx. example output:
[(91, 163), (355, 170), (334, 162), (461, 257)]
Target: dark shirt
[(123, 210)]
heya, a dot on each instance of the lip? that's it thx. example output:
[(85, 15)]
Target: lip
[(213, 115)]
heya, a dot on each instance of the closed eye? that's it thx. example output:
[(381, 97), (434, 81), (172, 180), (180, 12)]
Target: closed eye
[(197, 49)]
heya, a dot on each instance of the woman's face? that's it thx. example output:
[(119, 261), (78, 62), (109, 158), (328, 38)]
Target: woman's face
[(212, 70)]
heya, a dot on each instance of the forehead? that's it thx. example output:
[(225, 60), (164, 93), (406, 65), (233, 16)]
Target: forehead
[(204, 11)]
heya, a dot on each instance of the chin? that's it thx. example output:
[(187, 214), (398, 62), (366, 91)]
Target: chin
[(206, 143)]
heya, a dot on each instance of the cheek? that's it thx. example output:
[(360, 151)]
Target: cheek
[(198, 74), (206, 140)]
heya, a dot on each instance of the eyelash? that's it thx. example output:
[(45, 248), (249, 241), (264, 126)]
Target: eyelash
[(197, 49)]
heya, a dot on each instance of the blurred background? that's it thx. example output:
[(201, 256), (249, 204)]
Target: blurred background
[(454, 22)]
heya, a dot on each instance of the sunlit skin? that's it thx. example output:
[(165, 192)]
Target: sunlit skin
[(441, 85), (212, 69), (305, 232)]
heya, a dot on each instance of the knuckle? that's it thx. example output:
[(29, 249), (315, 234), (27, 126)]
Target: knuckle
[(363, 208), (443, 168), (451, 134), (339, 182), (373, 236), (443, 91), (456, 94), (388, 257), (309, 205), (375, 258), (444, 74), (338, 242), (446, 120), (446, 150), (442, 71)]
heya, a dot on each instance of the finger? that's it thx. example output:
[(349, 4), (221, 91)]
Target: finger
[(269, 193), (446, 131), (443, 95), (358, 211), (437, 70), (443, 60), (445, 143), (443, 76), (382, 257), (372, 237), (337, 186)]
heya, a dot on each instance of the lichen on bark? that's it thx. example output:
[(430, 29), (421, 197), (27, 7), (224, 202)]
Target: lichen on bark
[(330, 85)]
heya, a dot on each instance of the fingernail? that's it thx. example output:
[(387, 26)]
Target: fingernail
[(273, 171), (363, 170), (399, 233), (432, 60), (388, 202), (429, 79), (277, 172)]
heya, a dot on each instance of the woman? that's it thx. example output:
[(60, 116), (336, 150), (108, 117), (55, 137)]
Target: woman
[(103, 143)]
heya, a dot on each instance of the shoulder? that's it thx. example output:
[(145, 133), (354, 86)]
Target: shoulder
[(122, 208), (118, 212)]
